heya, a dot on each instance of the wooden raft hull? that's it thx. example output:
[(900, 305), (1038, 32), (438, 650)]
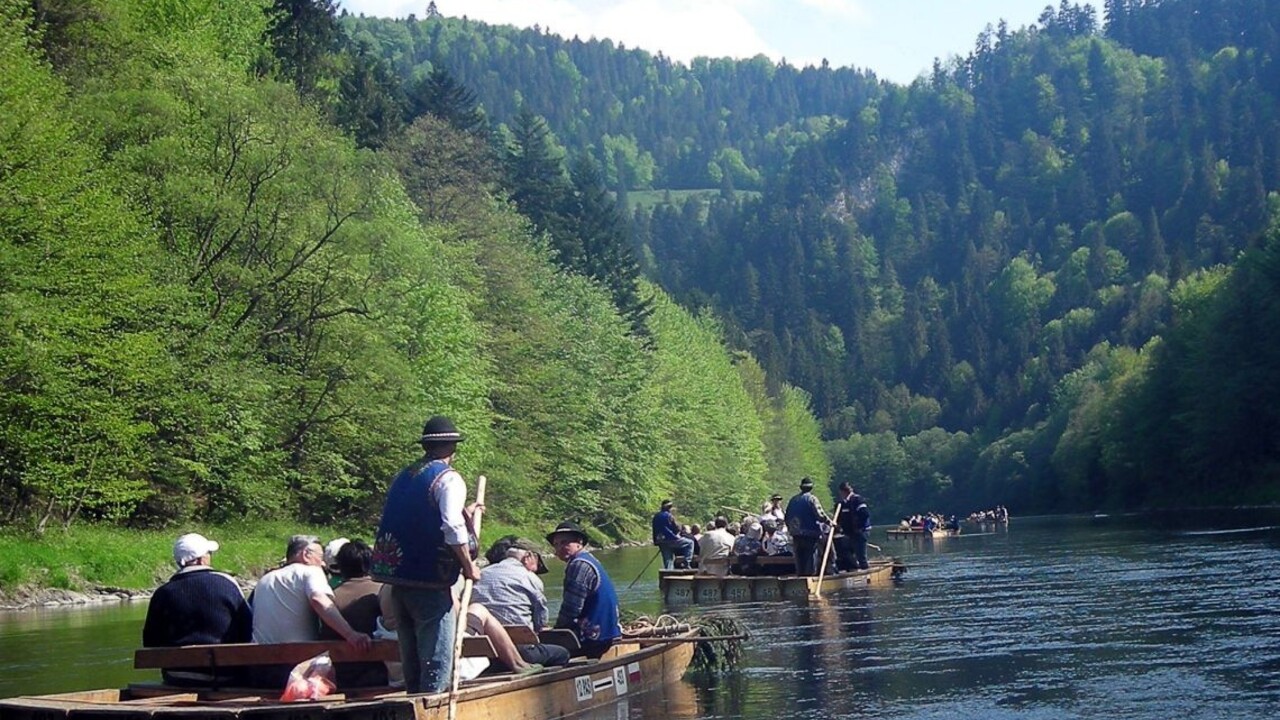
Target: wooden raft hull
[(628, 669), (917, 532), (686, 588)]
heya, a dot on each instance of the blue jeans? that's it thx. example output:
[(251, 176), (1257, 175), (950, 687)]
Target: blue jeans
[(669, 548), (426, 630)]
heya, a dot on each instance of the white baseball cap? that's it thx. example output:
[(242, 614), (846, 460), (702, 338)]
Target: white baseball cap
[(331, 551), (192, 546)]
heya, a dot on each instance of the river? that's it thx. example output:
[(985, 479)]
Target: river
[(1057, 617)]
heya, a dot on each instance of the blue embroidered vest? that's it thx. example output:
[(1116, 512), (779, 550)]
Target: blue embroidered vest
[(409, 548), (599, 619)]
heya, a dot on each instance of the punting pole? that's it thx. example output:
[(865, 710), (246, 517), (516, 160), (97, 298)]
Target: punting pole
[(460, 626), (646, 567), (826, 553)]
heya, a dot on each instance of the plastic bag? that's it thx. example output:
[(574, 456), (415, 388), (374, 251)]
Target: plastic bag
[(310, 679)]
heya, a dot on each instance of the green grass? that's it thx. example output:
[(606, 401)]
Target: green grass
[(94, 556), (648, 199), (86, 557)]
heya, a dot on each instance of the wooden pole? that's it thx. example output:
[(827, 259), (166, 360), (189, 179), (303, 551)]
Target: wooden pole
[(460, 627), (646, 567), (826, 554)]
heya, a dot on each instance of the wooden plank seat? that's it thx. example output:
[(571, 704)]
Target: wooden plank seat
[(769, 560), (524, 635), (246, 654)]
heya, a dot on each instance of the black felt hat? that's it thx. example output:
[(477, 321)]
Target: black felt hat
[(567, 528), (806, 485), (440, 429)]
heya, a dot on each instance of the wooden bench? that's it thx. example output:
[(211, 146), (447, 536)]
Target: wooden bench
[(212, 657), (770, 560), (524, 635)]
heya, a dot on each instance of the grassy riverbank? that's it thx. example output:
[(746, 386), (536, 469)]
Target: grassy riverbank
[(90, 558)]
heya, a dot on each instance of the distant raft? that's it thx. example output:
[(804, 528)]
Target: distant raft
[(687, 587)]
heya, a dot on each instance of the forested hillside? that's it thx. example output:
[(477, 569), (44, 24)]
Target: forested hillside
[(992, 281), (235, 278), (648, 121), (246, 250), (995, 281)]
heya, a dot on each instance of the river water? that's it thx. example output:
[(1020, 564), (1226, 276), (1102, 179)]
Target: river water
[(1061, 617)]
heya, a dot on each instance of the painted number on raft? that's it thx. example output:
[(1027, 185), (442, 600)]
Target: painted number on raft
[(583, 687), (620, 680)]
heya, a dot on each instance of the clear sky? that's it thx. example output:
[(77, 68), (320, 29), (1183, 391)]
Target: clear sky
[(897, 39)]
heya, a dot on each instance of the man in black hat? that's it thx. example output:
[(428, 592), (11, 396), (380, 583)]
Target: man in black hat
[(805, 517), (513, 593), (424, 542), (590, 605), (773, 509), (667, 536)]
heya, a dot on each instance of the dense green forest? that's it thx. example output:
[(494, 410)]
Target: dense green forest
[(245, 250), (236, 276), (993, 281), (647, 121)]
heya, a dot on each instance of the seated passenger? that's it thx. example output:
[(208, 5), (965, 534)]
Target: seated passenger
[(197, 606), (357, 600), (716, 545), (779, 543), (590, 605), (331, 560), (670, 540), (745, 549), (509, 587), (290, 602)]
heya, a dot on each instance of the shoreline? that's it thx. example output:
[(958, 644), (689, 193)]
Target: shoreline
[(38, 598), (25, 599)]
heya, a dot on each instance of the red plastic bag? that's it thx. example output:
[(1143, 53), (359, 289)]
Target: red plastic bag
[(310, 679)]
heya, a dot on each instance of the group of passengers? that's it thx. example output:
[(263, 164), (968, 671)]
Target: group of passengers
[(795, 531), (406, 587), (930, 521), (998, 514)]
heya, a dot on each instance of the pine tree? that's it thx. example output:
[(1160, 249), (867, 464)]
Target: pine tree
[(370, 105), (536, 182), (304, 34), (440, 94), (600, 231)]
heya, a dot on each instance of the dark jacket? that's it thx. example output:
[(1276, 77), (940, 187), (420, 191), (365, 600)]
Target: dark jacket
[(198, 606)]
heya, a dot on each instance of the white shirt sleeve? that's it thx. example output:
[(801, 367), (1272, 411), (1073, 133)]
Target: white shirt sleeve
[(451, 495), (316, 582)]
